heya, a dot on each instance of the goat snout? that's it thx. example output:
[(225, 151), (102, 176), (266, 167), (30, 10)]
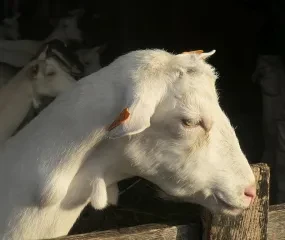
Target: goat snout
[(250, 193)]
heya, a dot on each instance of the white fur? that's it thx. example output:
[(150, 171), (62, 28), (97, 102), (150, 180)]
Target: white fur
[(18, 53), (99, 198), (7, 72), (24, 90), (65, 157), (9, 29)]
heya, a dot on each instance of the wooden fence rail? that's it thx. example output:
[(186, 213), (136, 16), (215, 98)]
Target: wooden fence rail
[(260, 222)]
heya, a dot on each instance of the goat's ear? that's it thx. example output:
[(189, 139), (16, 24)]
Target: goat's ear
[(140, 107), (130, 121), (201, 53), (75, 71), (194, 52), (99, 50), (77, 12), (206, 55)]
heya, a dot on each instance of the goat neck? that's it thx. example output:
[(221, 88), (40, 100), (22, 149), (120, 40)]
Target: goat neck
[(15, 101)]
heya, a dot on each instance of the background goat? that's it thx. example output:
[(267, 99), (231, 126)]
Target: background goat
[(6, 73), (9, 28), (47, 75), (18, 53), (91, 58)]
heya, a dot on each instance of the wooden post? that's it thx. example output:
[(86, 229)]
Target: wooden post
[(276, 223), (143, 232), (252, 224)]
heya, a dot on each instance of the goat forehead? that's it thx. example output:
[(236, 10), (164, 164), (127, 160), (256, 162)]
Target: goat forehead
[(161, 63), (50, 63), (71, 21), (195, 89)]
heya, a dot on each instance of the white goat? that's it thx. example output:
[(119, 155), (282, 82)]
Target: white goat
[(18, 53), (7, 72), (91, 59), (44, 76), (171, 131), (67, 28), (9, 29)]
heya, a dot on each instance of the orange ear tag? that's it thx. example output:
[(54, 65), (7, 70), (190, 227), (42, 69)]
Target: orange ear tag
[(195, 52), (124, 115)]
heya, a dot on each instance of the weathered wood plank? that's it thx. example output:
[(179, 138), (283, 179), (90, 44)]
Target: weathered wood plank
[(275, 229), (276, 223), (143, 232), (252, 224)]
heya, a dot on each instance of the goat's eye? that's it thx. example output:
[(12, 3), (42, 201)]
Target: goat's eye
[(34, 70), (189, 123), (190, 70)]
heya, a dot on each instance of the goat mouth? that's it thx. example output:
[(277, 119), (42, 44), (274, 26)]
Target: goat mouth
[(229, 208)]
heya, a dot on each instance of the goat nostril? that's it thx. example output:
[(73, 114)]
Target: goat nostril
[(250, 192)]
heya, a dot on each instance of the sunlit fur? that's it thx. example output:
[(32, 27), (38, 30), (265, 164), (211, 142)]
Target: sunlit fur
[(65, 157)]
